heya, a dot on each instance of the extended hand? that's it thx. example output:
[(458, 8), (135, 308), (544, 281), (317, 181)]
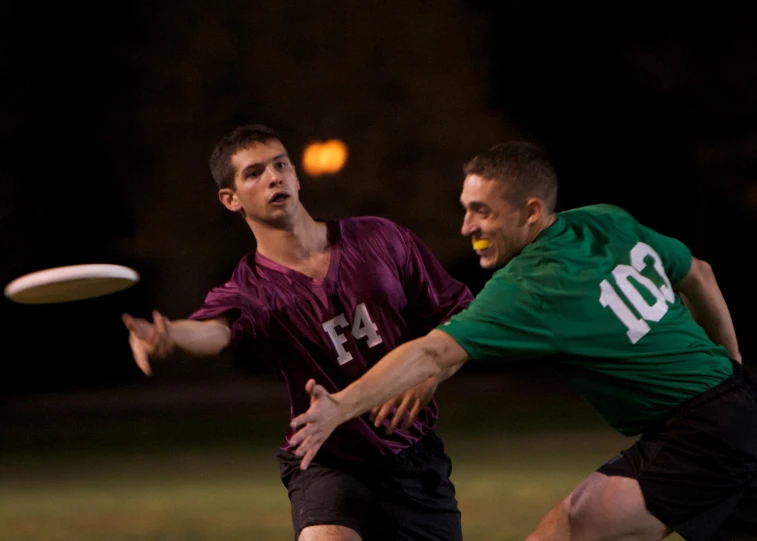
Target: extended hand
[(149, 340), (320, 420), (413, 401)]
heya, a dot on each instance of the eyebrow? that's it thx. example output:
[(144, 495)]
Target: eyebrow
[(476, 205), (258, 164)]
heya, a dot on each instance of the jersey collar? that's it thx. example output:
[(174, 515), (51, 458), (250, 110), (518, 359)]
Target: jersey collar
[(553, 230)]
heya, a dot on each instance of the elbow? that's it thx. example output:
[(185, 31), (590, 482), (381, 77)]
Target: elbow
[(702, 268)]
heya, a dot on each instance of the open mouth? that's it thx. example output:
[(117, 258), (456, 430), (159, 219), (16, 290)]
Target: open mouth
[(279, 198)]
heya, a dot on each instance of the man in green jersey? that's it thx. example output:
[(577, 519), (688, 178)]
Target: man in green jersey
[(603, 294)]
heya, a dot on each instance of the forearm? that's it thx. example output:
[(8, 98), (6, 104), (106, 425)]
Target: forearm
[(713, 315), (200, 338), (709, 309), (449, 371), (400, 370), (435, 355)]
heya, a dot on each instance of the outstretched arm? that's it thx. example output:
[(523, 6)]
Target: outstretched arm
[(703, 297), (435, 355), (404, 409), (159, 339)]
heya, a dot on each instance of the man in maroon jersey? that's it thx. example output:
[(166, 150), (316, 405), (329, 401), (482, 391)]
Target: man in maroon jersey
[(327, 300)]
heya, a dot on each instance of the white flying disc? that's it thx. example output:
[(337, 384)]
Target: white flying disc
[(72, 283)]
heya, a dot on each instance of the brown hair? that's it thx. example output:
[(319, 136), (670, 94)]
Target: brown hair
[(238, 139), (522, 167)]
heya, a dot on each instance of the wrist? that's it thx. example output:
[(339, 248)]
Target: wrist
[(345, 410)]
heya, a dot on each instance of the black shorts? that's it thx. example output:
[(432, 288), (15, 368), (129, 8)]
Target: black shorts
[(698, 470), (408, 496)]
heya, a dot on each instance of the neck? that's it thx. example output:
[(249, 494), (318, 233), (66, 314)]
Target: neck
[(544, 221), (293, 242)]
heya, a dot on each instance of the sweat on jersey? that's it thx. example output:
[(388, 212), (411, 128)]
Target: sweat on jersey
[(594, 292), (383, 288)]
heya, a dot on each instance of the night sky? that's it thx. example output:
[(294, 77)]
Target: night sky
[(109, 115)]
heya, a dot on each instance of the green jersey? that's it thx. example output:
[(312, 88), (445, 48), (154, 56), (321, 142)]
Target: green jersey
[(594, 292)]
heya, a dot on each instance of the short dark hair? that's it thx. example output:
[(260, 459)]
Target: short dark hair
[(240, 138), (522, 166)]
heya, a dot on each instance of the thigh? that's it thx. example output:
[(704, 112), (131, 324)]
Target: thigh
[(614, 505), (328, 532), (601, 508), (327, 496), (742, 524), (422, 498), (696, 472)]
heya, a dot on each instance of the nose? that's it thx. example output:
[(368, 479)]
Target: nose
[(469, 225), (275, 178)]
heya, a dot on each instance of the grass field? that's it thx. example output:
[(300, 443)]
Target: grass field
[(165, 474)]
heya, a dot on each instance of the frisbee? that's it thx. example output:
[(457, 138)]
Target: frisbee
[(71, 283)]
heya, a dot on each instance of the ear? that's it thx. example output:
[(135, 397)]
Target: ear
[(534, 210), (229, 198)]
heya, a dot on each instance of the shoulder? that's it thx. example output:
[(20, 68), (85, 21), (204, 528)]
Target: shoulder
[(601, 211), (244, 266), (243, 276), (379, 237), (367, 227), (369, 222), (599, 214)]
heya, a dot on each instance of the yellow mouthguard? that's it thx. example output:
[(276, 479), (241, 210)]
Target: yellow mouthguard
[(481, 244)]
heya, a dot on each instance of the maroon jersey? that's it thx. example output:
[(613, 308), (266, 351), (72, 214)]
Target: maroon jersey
[(383, 288)]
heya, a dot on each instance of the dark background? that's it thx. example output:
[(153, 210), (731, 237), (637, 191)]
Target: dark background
[(108, 115)]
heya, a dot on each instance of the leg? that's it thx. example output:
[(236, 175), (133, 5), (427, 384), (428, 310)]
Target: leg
[(601, 508), (423, 501), (328, 532), (327, 502), (742, 524)]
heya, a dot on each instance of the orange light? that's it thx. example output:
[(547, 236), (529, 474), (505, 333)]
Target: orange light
[(324, 158)]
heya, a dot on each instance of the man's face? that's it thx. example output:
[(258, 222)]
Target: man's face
[(489, 217), (266, 187)]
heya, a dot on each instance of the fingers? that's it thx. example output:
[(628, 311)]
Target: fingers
[(303, 447), (318, 391), (161, 335), (309, 456), (307, 450), (141, 328), (315, 425), (307, 445), (140, 355), (410, 419), (298, 437), (302, 419), (147, 339), (400, 413), (128, 321), (384, 411)]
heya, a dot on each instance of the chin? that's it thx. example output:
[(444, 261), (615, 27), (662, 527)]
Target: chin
[(493, 262), (487, 263)]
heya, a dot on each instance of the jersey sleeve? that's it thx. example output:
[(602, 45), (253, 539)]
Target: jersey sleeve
[(675, 255), (433, 295), (503, 322), (228, 301)]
